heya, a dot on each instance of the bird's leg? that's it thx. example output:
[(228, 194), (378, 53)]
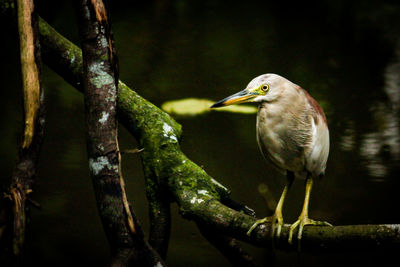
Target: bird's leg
[(276, 219), (303, 218)]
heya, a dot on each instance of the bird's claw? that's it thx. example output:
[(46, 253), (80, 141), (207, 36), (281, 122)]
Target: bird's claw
[(276, 225), (301, 222), (257, 223)]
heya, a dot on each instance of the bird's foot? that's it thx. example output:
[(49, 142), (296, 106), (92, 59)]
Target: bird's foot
[(301, 222), (276, 224), (257, 223)]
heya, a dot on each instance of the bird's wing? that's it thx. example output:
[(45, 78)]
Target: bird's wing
[(318, 150), (317, 154)]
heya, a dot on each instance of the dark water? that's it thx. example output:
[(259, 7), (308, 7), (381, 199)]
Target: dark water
[(345, 53)]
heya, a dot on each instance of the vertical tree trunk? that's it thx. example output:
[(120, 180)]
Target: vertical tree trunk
[(100, 82), (25, 170)]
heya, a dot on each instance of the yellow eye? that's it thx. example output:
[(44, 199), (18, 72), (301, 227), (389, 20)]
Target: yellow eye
[(265, 87)]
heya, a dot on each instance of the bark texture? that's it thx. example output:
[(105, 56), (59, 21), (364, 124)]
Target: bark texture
[(29, 47), (34, 119), (100, 85)]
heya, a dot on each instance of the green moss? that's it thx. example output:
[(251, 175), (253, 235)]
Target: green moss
[(164, 163), (70, 52)]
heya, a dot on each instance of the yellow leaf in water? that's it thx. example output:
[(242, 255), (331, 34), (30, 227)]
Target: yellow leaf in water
[(187, 106), (197, 106)]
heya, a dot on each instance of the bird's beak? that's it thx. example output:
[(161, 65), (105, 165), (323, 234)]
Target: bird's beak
[(241, 97)]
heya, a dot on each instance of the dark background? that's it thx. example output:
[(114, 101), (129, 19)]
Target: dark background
[(345, 53)]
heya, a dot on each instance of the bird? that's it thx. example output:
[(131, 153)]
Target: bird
[(292, 133)]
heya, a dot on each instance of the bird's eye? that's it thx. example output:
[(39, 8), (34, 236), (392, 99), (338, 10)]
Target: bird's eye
[(265, 87)]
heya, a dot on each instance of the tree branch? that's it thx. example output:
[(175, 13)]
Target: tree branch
[(34, 119), (29, 41), (160, 218)]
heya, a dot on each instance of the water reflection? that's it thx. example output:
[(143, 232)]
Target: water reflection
[(348, 138), (380, 149)]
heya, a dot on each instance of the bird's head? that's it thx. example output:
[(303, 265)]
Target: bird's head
[(264, 88)]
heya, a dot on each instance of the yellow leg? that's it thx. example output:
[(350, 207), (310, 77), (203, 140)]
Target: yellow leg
[(303, 218), (276, 219)]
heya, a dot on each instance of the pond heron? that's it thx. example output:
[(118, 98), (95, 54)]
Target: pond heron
[(292, 132)]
